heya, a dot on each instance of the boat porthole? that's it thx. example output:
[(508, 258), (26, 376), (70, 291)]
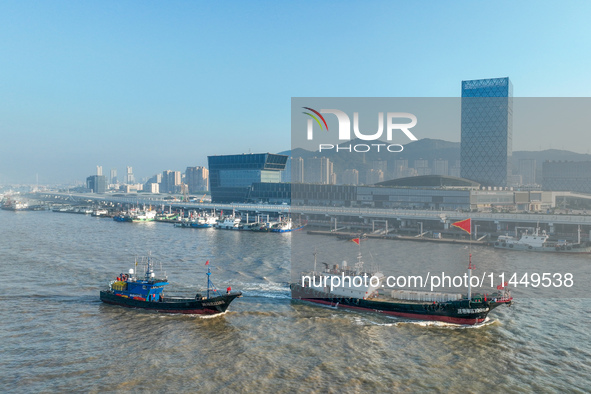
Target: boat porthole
[(511, 245), (530, 247)]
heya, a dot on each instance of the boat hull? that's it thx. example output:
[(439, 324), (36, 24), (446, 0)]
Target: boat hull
[(457, 312), (121, 219), (276, 230), (577, 248), (211, 306)]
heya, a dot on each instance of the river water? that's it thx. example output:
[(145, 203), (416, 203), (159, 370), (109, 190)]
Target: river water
[(57, 336)]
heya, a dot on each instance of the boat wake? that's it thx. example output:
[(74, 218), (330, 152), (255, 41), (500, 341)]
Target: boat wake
[(452, 326), (265, 290)]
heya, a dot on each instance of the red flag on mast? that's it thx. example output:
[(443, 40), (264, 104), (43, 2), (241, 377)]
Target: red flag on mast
[(207, 262), (465, 225), (356, 240)]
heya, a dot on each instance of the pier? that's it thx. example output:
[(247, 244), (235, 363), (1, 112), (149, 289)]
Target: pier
[(376, 221)]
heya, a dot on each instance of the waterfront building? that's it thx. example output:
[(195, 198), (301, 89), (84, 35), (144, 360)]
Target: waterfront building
[(572, 176), (430, 192), (487, 131), (197, 178), (231, 177), (96, 183), (99, 170)]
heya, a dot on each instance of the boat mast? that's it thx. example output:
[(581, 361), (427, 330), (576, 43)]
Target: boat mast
[(208, 279), (470, 268)]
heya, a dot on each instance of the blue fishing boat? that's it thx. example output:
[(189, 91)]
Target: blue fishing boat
[(147, 292)]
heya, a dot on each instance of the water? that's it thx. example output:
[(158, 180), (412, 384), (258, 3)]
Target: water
[(57, 336)]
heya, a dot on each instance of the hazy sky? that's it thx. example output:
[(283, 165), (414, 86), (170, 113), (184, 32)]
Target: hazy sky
[(161, 84)]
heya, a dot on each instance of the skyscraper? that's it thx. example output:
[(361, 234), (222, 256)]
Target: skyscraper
[(487, 131)]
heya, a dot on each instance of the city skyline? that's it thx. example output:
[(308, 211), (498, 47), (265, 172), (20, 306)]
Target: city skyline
[(155, 86)]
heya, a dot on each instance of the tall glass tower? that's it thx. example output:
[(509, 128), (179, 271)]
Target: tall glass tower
[(487, 131)]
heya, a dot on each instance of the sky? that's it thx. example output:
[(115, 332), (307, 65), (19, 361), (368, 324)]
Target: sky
[(161, 85)]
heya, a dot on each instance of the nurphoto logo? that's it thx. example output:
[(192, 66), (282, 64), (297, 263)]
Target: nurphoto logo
[(344, 129)]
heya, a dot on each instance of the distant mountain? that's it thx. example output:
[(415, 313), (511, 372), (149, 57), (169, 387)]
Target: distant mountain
[(427, 149)]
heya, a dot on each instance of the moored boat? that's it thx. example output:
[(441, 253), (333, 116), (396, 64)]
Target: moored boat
[(205, 221), (144, 216), (286, 226), (539, 241), (100, 212), (229, 223), (14, 205), (147, 292)]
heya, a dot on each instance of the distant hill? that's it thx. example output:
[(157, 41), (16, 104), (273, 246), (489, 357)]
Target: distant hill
[(427, 149)]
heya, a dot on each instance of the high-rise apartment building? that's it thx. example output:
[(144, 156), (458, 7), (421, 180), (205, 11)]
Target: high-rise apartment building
[(129, 178), (297, 169), (440, 167), (113, 180), (574, 176), (373, 176), (197, 178), (319, 170), (350, 177), (487, 131), (527, 170), (171, 181)]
